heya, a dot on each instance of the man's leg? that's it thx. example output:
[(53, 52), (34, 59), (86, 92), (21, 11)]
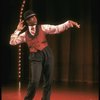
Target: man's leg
[(35, 72), (47, 74)]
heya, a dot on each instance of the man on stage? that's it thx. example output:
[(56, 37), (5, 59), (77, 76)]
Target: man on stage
[(41, 58)]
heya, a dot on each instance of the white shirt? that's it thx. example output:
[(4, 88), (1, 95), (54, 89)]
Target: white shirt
[(47, 28)]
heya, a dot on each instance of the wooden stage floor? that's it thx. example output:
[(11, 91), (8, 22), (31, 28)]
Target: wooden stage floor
[(58, 93)]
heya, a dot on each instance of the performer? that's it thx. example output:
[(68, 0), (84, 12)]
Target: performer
[(41, 58)]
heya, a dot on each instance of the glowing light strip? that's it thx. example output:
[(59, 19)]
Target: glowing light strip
[(19, 48)]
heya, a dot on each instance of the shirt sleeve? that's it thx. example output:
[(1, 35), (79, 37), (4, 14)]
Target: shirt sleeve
[(55, 29), (15, 38)]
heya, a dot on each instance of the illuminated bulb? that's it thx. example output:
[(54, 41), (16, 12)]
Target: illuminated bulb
[(19, 76), (19, 61), (21, 9), (20, 16), (19, 64), (20, 46), (19, 49), (22, 5), (19, 68), (21, 13), (24, 2), (19, 53), (19, 57), (19, 72)]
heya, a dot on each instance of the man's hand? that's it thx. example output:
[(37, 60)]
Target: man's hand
[(20, 26), (72, 24)]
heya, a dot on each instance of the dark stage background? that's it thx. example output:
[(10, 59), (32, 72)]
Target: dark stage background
[(76, 51)]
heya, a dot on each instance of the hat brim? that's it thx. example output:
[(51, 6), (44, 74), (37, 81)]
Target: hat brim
[(29, 16)]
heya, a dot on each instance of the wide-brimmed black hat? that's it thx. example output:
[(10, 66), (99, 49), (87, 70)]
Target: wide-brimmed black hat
[(28, 14)]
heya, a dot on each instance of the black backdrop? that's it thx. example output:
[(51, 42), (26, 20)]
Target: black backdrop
[(76, 51)]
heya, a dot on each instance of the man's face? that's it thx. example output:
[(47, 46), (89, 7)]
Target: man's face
[(31, 21)]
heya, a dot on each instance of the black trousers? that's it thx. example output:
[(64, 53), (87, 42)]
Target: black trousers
[(41, 62)]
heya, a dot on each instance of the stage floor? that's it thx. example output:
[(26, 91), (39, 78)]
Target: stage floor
[(58, 93)]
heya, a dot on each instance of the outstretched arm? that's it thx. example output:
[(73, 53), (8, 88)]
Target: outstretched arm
[(54, 29), (15, 37)]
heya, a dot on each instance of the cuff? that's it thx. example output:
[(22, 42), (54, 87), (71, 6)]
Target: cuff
[(17, 32)]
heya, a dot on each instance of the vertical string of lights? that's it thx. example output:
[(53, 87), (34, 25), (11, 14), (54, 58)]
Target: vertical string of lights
[(19, 47)]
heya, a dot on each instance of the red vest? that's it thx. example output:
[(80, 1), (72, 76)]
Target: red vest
[(36, 42)]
